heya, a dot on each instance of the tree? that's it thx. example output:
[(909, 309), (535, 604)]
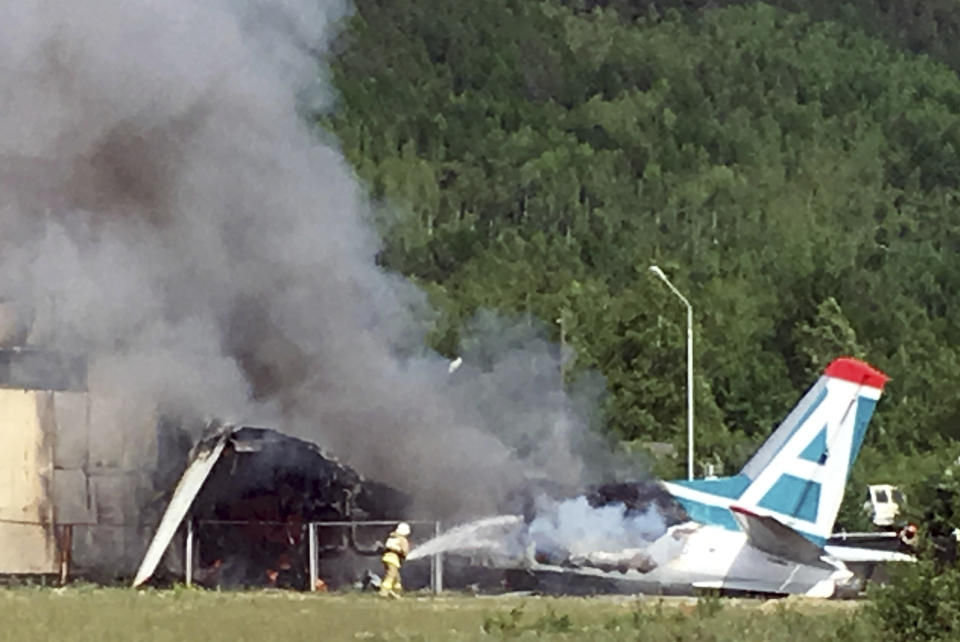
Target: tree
[(798, 175)]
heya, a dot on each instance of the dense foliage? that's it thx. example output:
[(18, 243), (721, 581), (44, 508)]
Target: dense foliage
[(797, 178), (921, 602)]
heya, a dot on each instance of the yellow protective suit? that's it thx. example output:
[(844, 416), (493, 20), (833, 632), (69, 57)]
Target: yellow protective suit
[(397, 546)]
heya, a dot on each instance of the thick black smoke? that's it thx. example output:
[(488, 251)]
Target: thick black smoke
[(164, 210)]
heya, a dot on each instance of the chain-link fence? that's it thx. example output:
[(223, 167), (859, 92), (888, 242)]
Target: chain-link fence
[(302, 555), (218, 553)]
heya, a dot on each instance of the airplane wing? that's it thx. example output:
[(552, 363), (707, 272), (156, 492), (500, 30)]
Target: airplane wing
[(852, 554), (771, 536)]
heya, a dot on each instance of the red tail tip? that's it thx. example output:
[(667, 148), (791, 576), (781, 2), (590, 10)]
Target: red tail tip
[(856, 371)]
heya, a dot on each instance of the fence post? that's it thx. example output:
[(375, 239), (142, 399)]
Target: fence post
[(66, 546), (436, 564), (188, 553), (312, 552)]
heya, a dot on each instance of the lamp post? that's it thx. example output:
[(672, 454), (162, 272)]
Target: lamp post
[(663, 277), (563, 349)]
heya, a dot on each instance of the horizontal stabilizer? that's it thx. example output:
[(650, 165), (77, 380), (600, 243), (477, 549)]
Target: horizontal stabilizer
[(824, 589), (771, 536), (852, 554)]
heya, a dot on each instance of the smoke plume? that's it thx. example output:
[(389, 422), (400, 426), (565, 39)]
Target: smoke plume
[(575, 528), (165, 211)]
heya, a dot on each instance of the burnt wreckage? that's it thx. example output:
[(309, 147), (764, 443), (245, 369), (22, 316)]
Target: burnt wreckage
[(248, 494), (555, 570), (512, 551), (90, 483)]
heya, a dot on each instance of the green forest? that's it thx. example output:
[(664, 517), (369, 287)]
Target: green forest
[(793, 168)]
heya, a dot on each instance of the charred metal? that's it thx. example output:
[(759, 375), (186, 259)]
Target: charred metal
[(249, 513)]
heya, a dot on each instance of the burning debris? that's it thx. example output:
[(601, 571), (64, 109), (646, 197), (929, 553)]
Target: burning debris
[(250, 492), (638, 497)]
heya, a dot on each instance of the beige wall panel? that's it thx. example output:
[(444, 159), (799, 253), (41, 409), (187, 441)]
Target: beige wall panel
[(25, 481), (27, 549), (24, 458)]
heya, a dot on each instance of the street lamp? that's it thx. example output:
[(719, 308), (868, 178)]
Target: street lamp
[(563, 349), (663, 277)]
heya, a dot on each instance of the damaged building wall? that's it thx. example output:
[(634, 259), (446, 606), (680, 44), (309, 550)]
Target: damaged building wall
[(110, 536), (64, 464), (250, 493), (81, 486), (27, 543)]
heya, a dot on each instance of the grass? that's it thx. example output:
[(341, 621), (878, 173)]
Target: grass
[(180, 615)]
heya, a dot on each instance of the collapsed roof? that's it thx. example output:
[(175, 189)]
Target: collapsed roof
[(248, 475)]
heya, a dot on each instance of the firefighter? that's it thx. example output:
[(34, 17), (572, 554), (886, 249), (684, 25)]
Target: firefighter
[(908, 538), (396, 548)]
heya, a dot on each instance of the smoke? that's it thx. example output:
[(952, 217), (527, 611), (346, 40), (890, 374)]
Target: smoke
[(165, 211), (567, 532), (574, 528)]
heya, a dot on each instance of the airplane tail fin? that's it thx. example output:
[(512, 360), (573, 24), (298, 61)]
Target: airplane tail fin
[(799, 474)]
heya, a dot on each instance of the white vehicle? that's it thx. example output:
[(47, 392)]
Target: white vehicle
[(765, 530), (883, 503)]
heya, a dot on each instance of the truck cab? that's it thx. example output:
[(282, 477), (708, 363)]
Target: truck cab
[(883, 503)]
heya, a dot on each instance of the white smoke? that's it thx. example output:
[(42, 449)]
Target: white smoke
[(562, 531), (574, 528)]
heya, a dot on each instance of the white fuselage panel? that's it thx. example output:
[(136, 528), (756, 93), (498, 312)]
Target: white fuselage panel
[(714, 556)]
